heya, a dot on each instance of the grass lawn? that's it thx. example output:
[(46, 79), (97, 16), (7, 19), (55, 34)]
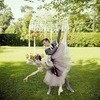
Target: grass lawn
[(84, 76)]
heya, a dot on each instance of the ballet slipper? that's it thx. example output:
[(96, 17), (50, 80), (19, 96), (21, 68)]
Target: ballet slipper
[(70, 89), (59, 91), (48, 92)]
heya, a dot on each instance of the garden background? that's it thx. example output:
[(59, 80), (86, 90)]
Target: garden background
[(83, 40)]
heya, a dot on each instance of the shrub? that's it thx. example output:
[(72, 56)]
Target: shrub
[(80, 39), (84, 40), (11, 40), (76, 40)]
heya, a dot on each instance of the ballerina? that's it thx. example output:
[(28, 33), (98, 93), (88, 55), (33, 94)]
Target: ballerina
[(43, 65)]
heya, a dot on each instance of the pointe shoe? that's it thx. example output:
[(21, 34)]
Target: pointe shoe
[(70, 89), (61, 90), (48, 92)]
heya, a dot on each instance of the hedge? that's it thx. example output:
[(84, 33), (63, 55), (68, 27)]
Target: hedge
[(11, 40), (76, 40), (81, 39), (84, 40), (15, 40)]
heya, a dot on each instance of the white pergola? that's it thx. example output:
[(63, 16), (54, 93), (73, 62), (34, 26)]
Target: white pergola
[(44, 27), (36, 24)]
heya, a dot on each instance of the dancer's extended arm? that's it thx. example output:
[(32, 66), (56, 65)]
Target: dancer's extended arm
[(25, 79), (58, 37), (39, 70)]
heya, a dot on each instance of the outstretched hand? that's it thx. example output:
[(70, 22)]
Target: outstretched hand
[(25, 79), (56, 43), (60, 25)]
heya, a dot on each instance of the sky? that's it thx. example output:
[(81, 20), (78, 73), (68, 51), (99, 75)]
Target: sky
[(16, 4)]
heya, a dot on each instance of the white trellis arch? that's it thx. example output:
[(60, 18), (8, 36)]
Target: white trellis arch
[(36, 24)]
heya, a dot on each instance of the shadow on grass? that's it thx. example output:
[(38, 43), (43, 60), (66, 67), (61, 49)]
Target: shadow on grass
[(83, 78)]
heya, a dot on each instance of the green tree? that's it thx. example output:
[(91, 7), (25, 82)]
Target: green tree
[(1, 4), (21, 27), (11, 29), (5, 18), (15, 27), (97, 15), (80, 18), (27, 8), (25, 24)]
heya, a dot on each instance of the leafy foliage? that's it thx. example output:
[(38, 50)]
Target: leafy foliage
[(81, 39), (84, 40), (25, 24), (11, 40), (5, 17), (78, 11), (25, 8), (97, 15), (75, 40), (1, 4), (16, 27)]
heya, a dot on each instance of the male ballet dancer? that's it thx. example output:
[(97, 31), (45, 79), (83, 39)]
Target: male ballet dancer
[(50, 50)]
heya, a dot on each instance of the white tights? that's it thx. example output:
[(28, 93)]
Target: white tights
[(60, 89)]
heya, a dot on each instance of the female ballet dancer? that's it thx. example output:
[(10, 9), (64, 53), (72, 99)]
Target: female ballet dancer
[(61, 64)]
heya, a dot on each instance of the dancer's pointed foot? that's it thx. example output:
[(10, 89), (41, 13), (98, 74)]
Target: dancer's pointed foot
[(59, 91), (48, 92), (70, 89)]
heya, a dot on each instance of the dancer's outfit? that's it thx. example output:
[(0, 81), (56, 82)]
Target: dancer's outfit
[(56, 72)]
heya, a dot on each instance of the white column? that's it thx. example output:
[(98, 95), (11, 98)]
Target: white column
[(29, 43), (45, 27), (34, 45), (51, 35)]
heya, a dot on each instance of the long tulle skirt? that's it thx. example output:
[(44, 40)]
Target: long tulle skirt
[(62, 64)]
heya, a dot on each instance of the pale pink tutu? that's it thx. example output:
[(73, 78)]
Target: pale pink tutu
[(62, 64)]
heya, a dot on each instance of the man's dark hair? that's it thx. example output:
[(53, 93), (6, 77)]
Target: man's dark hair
[(45, 39)]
